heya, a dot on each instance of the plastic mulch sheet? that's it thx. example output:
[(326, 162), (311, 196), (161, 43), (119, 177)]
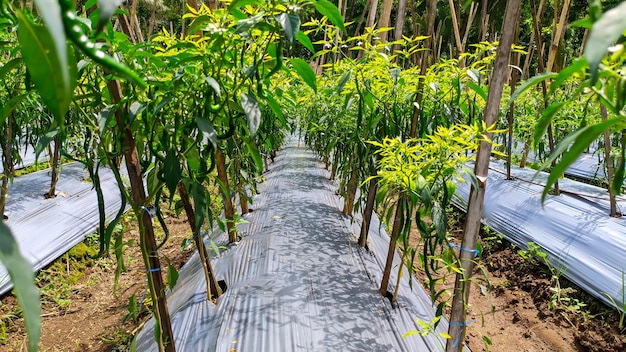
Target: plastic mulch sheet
[(588, 167), (47, 228), (27, 156), (297, 280), (574, 229)]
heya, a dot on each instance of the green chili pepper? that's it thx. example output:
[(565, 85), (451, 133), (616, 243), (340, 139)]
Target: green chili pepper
[(75, 33)]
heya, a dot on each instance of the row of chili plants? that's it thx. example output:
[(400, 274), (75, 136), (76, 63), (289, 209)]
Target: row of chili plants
[(397, 140), (398, 137), (169, 116)]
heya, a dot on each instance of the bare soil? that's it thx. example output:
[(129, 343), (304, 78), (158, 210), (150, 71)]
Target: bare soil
[(93, 319), (517, 305), (511, 310)]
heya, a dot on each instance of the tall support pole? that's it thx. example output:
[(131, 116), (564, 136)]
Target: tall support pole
[(477, 196)]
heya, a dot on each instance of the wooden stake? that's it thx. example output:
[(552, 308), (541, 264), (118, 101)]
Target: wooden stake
[(147, 240), (481, 169)]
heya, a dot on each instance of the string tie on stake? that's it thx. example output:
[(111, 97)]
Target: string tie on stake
[(201, 234), (475, 251), (459, 323), (147, 211), (153, 270)]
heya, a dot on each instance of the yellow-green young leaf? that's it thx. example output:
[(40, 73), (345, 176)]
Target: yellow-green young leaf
[(48, 70), (445, 335), (305, 72), (21, 273), (410, 333)]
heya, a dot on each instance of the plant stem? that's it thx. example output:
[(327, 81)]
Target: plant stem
[(213, 289), (229, 212), (149, 248)]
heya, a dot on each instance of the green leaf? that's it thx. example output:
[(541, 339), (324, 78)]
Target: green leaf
[(478, 89), (344, 79), (45, 140), (474, 75), (305, 72), (275, 107), (198, 194), (395, 74), (10, 106), (50, 12), (290, 23), (545, 120), (214, 84), (206, 127), (21, 272), (305, 41), (48, 70), (253, 112), (577, 142), (254, 154), (576, 67), (6, 68), (530, 83), (135, 110), (172, 275), (440, 220), (609, 28), (107, 9), (329, 10), (104, 116), (171, 171), (246, 24)]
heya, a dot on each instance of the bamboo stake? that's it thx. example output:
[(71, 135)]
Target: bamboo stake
[(357, 30), (455, 26), (470, 20), (548, 68), (481, 169), (512, 84)]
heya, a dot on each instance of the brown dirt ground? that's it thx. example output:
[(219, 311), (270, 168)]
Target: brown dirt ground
[(512, 311), (512, 308), (93, 319)]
